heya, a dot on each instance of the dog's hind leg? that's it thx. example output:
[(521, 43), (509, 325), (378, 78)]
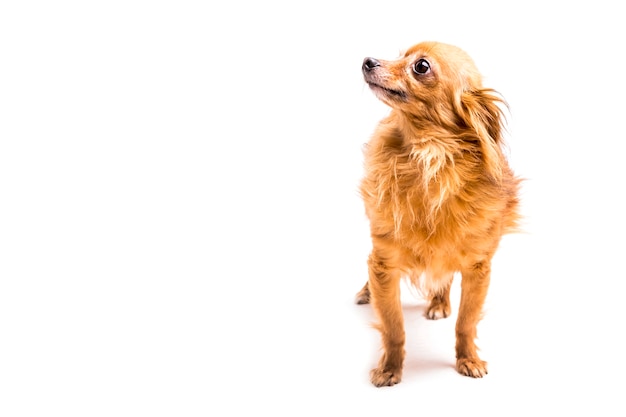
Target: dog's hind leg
[(384, 287), (439, 307), (363, 296)]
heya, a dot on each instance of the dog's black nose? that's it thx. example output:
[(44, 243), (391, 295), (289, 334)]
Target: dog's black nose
[(370, 63)]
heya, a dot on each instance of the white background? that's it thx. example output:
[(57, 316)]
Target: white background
[(180, 229)]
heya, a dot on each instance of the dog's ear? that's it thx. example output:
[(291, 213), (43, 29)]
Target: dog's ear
[(481, 110)]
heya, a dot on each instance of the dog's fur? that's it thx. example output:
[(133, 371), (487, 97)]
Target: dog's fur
[(438, 192)]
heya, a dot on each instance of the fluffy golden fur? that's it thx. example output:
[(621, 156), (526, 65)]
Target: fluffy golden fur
[(438, 192)]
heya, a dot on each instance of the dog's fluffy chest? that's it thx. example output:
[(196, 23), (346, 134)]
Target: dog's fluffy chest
[(417, 191)]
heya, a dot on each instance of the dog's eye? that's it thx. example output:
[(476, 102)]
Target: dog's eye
[(421, 67)]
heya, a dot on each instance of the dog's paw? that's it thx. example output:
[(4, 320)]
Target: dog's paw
[(363, 296), (382, 378), (471, 367), (438, 310)]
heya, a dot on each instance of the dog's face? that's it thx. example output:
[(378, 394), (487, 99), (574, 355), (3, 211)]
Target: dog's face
[(437, 86), (430, 77)]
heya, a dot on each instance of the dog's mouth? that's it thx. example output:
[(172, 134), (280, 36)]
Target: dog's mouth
[(378, 89)]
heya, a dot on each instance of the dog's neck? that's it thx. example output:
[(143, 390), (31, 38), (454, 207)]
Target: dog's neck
[(416, 130), (449, 131)]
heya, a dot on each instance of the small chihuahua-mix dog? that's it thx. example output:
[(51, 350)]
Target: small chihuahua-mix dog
[(439, 195)]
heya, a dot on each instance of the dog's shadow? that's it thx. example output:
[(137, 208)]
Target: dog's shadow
[(429, 344)]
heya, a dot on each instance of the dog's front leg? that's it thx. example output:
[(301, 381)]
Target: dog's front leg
[(384, 286), (474, 285)]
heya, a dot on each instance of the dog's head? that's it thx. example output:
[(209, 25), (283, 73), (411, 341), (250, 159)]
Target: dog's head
[(436, 84)]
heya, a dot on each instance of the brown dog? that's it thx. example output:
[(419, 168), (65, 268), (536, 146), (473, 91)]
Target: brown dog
[(438, 192)]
